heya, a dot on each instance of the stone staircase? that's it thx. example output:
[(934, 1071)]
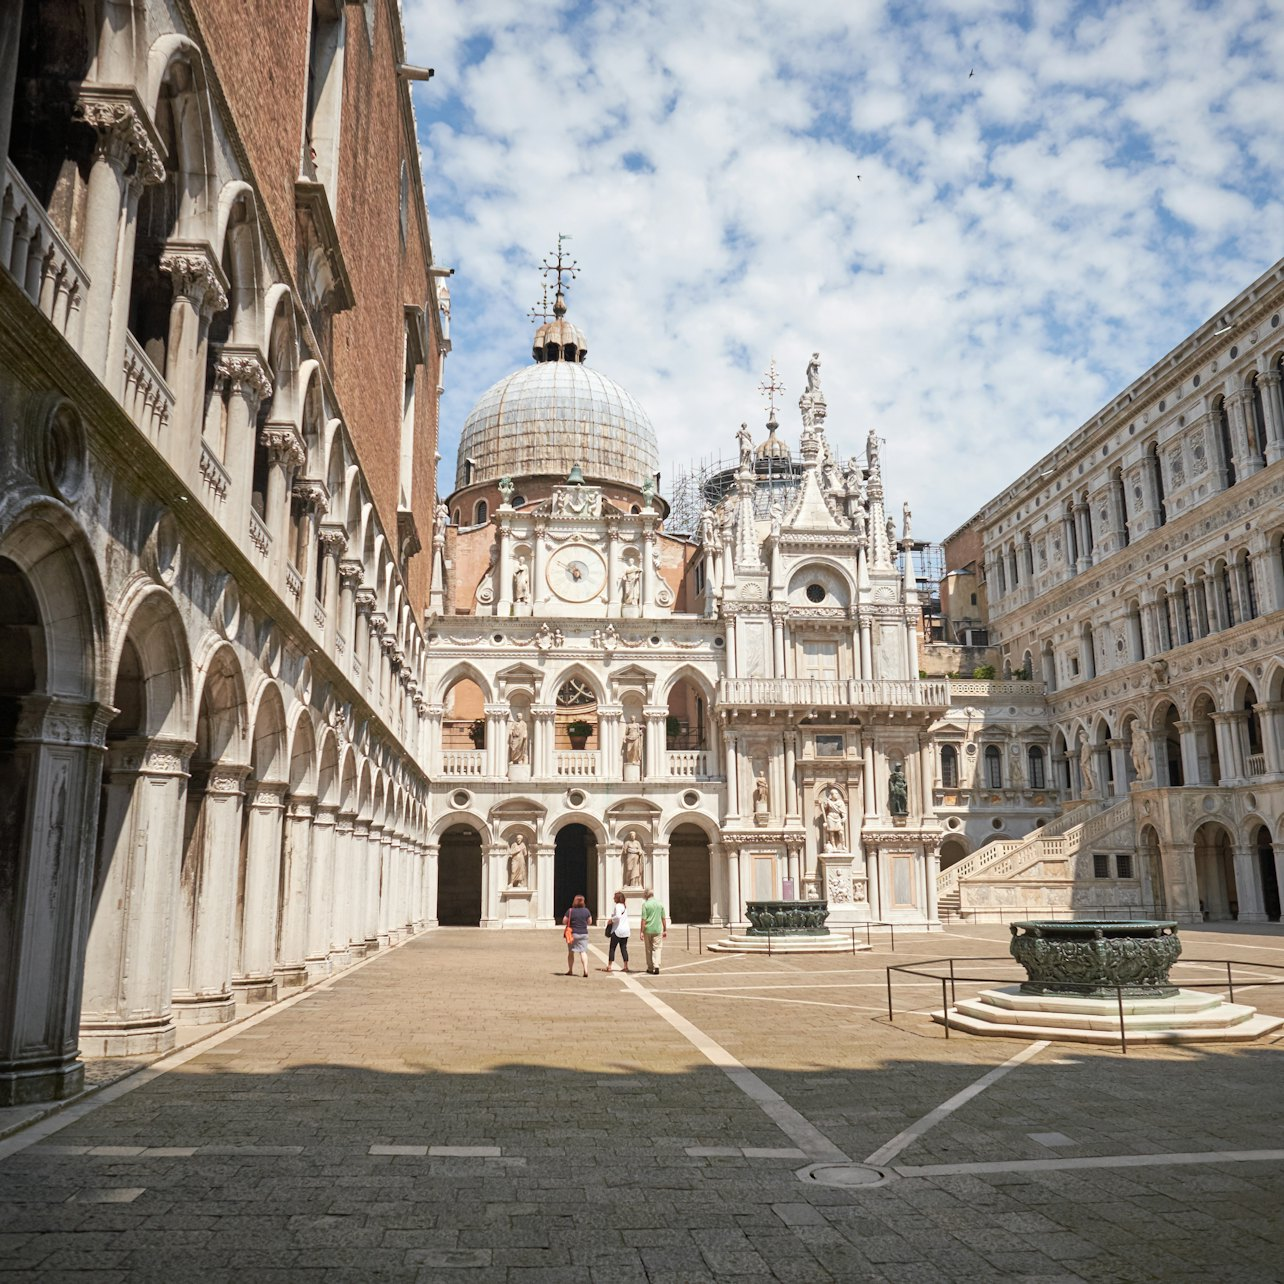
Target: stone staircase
[(1062, 837)]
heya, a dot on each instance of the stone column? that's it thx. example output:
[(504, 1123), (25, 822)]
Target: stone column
[(792, 813), (431, 872), (544, 911), (1189, 745), (1273, 408), (793, 862), (285, 456), (1248, 886), (128, 977), (777, 644), (1180, 882), (343, 892), (9, 43), (296, 874), (610, 739), (653, 748), (1238, 407), (543, 765), (350, 572), (504, 568), (866, 647), (323, 891), (496, 760), (648, 568), (332, 541), (1271, 718), (365, 929), (246, 377), (733, 775), (539, 584), (735, 901), (125, 147), (254, 980), (612, 568), (1119, 765), (381, 853), (1232, 748), (200, 293), (203, 968), (869, 790), (932, 871), (47, 824)]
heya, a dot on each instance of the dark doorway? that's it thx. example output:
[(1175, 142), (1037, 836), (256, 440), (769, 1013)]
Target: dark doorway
[(689, 898), (1270, 879), (459, 878), (574, 869)]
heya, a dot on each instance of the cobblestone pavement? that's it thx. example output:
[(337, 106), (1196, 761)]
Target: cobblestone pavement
[(458, 1109)]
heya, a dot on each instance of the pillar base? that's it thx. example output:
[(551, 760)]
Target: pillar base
[(373, 944), (217, 1009), (357, 950), (127, 1038), (24, 1085), (340, 959), (254, 989), (293, 976)]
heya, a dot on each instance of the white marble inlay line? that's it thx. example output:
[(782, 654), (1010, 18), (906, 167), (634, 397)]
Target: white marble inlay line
[(1092, 1161), (762, 998), (808, 1138), (902, 1139)]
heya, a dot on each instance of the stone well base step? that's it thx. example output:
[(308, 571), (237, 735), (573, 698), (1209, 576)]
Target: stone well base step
[(1187, 1017), (830, 944)]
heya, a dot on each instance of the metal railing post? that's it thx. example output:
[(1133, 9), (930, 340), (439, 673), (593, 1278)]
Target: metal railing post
[(954, 998), (891, 1016), (1230, 981), (945, 1008), (1123, 1034)]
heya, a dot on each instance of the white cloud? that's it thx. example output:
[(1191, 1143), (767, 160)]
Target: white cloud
[(981, 259)]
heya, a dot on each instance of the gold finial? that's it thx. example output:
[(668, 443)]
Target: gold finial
[(770, 388)]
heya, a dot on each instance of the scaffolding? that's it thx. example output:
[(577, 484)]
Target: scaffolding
[(707, 483)]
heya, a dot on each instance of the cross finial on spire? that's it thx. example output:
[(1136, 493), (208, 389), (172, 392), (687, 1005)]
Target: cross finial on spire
[(562, 265), (770, 388), (541, 311)]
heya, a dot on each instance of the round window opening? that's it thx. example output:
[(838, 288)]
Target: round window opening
[(460, 798), (690, 798), (815, 592), (576, 798), (997, 822)]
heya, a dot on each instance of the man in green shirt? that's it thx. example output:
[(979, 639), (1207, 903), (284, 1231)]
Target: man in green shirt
[(655, 927)]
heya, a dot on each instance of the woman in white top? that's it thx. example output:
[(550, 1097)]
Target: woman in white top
[(619, 929)]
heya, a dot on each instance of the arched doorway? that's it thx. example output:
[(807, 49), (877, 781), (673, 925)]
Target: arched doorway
[(459, 878), (1215, 873), (690, 894), (953, 850), (574, 869), (1268, 872)]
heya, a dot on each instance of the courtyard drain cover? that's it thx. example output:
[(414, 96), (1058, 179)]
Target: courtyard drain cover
[(846, 1175)]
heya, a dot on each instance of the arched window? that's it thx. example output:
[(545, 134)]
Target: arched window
[(1035, 768), (1121, 505), (480, 512), (993, 767), (1087, 525), (949, 767), (1257, 423), (1250, 587), (455, 518)]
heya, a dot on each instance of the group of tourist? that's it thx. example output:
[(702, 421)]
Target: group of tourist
[(655, 927)]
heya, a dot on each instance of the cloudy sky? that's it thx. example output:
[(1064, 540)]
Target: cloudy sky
[(987, 216)]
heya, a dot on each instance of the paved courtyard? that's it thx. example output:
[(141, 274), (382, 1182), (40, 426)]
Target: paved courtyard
[(458, 1109)]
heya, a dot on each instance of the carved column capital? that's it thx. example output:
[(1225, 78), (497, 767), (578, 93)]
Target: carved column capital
[(365, 599), (126, 137), (334, 539), (313, 495), (196, 273), (351, 570), (245, 371), (284, 445)]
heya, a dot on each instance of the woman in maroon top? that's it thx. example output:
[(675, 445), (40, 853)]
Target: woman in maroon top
[(579, 920)]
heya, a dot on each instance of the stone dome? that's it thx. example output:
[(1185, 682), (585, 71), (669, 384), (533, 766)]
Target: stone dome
[(548, 417)]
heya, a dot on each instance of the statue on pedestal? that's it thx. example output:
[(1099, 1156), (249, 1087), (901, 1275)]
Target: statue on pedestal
[(897, 791), (832, 811), (521, 584), (633, 854), (518, 738), (518, 856), (631, 586), (1141, 752), (1089, 781), (632, 745), (761, 796)]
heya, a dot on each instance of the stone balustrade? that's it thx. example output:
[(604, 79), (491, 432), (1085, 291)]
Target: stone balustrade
[(463, 762), (145, 395), (834, 692)]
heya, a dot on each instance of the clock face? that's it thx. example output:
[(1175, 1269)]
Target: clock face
[(576, 573)]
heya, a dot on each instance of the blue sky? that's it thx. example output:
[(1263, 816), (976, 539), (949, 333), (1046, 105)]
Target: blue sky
[(987, 217)]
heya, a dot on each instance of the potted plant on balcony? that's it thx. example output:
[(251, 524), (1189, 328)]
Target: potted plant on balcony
[(672, 731), (579, 732), (477, 734)]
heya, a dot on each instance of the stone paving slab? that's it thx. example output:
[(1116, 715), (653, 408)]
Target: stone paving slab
[(457, 1109)]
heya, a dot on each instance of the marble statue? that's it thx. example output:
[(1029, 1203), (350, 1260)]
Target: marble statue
[(518, 857), (634, 854), (905, 520), (518, 738), (777, 514), (745, 438), (761, 797), (521, 585), (708, 530), (632, 745), (897, 791), (813, 374), (440, 520), (1085, 770), (631, 586), (1141, 752), (832, 811)]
